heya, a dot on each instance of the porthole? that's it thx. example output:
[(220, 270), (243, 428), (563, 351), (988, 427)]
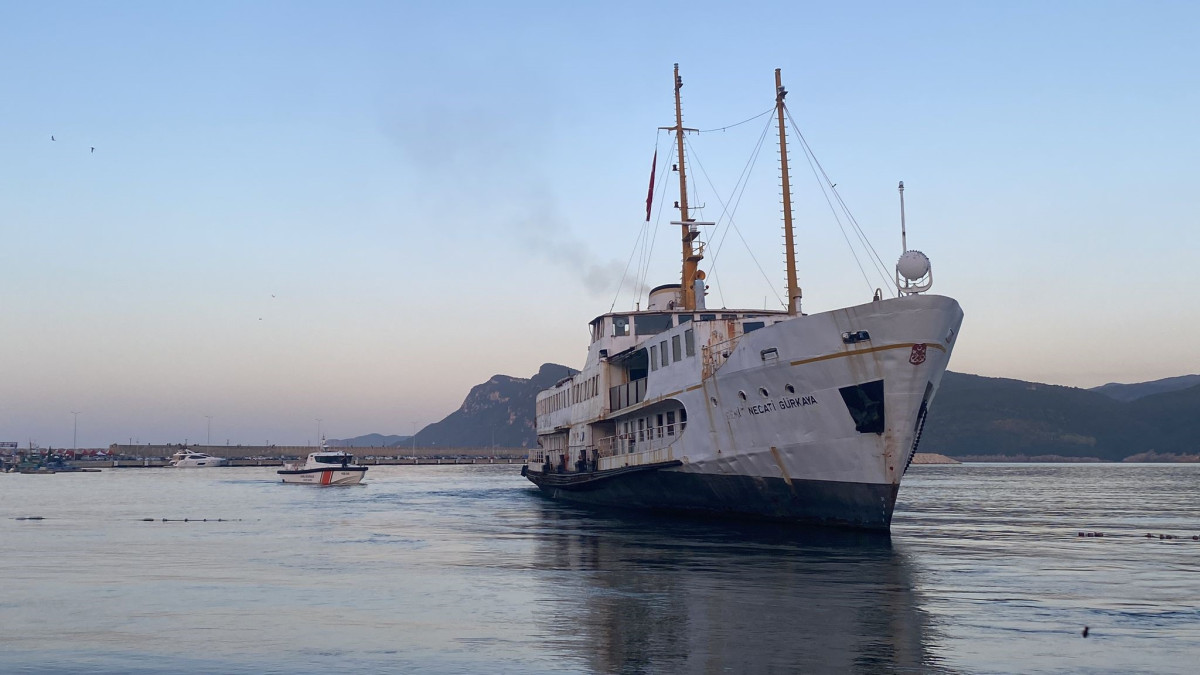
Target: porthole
[(714, 400), (764, 392), (742, 395), (790, 389)]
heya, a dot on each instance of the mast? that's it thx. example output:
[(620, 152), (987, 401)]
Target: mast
[(794, 293), (691, 254)]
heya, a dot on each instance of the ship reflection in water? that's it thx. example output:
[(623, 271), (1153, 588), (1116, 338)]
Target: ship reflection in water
[(682, 595)]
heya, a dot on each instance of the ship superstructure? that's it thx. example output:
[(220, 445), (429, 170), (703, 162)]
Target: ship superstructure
[(771, 414)]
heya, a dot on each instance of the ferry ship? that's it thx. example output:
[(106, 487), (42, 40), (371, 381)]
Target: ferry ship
[(766, 414)]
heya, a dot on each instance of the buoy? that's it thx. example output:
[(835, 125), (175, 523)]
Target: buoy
[(1085, 631), (1081, 534)]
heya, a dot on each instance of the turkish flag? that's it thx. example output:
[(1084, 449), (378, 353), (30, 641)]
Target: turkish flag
[(650, 191)]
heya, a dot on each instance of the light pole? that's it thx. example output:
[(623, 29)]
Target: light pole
[(413, 440), (75, 433), (209, 440)]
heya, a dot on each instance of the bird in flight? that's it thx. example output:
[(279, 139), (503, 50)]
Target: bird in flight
[(93, 149), (51, 138)]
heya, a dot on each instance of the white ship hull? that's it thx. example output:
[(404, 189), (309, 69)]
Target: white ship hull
[(324, 477), (782, 422)]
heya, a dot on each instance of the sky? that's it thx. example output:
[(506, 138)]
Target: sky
[(337, 217)]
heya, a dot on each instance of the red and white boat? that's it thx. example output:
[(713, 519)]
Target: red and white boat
[(327, 467)]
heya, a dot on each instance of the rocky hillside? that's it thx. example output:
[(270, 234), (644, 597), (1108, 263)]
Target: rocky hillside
[(974, 416), (499, 412)]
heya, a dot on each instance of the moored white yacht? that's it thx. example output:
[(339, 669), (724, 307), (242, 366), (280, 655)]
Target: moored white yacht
[(324, 468), (186, 459), (772, 414)]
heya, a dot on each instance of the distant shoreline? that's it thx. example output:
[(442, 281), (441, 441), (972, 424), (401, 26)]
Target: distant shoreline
[(1140, 458)]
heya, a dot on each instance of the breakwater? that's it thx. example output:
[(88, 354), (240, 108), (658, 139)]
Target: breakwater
[(148, 451), (159, 462)]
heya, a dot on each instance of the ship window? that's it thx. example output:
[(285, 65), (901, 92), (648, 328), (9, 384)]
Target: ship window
[(684, 318), (676, 348), (729, 316), (708, 317), (641, 429), (790, 389), (764, 392), (620, 326), (742, 395), (653, 357), (662, 351), (714, 400), (682, 419), (689, 342), (671, 423), (751, 326), (651, 324), (659, 426)]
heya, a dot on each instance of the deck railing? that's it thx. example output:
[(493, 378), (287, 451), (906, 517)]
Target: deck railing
[(715, 355), (654, 438)]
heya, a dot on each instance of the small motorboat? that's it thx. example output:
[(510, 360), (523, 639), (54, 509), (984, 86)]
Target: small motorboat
[(186, 459), (327, 467)]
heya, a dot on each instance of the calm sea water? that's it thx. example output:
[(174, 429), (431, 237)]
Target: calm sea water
[(468, 569)]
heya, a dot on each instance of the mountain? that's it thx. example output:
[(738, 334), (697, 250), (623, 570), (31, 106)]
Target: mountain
[(499, 412), (971, 416), (369, 441), (1132, 392), (975, 415)]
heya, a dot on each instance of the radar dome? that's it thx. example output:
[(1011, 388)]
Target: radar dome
[(913, 265)]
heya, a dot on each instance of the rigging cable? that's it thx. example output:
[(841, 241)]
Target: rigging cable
[(815, 164), (644, 270), (642, 233), (768, 111), (744, 182), (730, 221)]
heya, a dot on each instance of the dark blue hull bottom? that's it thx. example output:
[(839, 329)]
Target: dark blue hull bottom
[(859, 505)]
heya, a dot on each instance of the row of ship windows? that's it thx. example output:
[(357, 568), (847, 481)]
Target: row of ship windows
[(580, 391), (653, 324), (658, 352), (762, 391)]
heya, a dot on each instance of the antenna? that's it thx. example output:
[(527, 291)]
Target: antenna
[(914, 274)]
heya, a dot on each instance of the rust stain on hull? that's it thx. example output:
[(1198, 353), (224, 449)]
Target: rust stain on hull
[(782, 471)]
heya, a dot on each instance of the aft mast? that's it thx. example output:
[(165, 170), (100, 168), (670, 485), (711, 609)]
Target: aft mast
[(794, 292), (693, 252)]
